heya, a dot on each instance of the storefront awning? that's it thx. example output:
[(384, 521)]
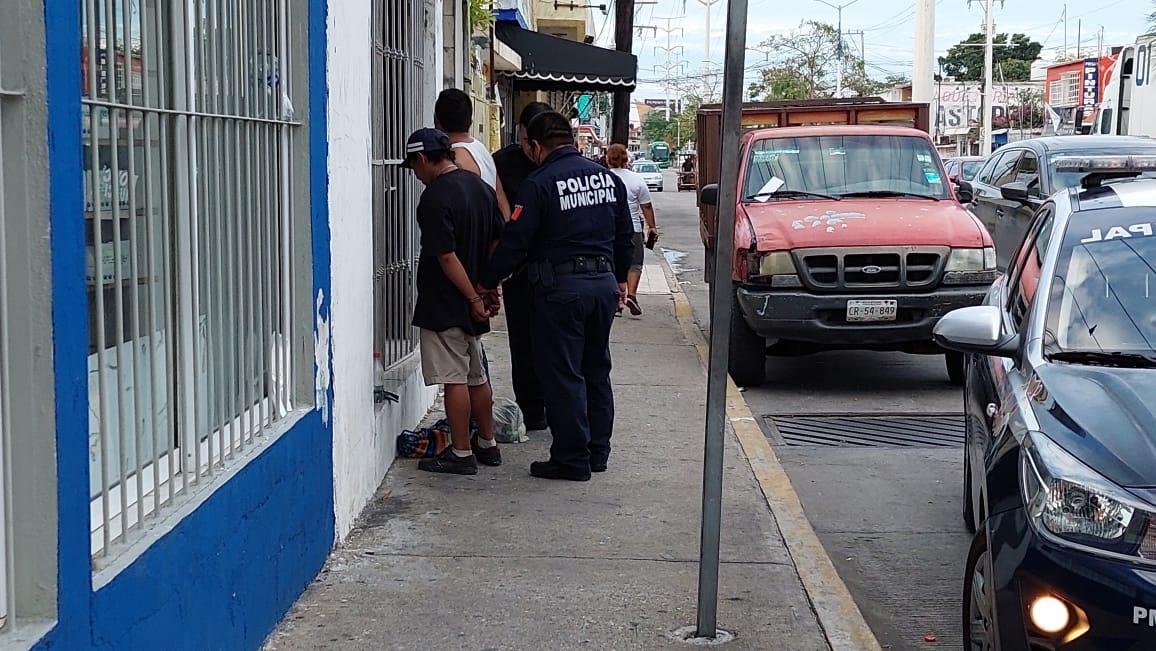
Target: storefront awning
[(552, 63)]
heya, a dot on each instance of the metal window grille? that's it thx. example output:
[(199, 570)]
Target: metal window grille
[(10, 157), (187, 128), (398, 103)]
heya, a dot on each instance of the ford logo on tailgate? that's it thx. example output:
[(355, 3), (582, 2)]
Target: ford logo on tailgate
[(872, 269)]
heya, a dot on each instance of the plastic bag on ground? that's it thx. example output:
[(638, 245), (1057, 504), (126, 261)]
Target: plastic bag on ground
[(508, 424)]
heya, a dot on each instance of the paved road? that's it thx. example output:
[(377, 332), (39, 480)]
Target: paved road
[(888, 516)]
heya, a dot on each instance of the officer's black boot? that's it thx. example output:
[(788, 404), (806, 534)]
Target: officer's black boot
[(551, 470)]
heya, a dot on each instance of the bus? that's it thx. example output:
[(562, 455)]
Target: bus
[(660, 153), (1129, 105)]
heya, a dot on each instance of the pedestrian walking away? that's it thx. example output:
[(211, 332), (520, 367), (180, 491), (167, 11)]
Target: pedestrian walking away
[(638, 200), (454, 114), (571, 222), (514, 165), (458, 217)]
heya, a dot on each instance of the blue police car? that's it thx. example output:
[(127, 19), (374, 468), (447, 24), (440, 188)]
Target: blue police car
[(1060, 401)]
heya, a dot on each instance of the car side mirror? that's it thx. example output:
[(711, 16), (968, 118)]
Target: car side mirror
[(709, 194), (965, 192), (977, 329), (1015, 192)]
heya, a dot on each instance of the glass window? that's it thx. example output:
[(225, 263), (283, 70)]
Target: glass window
[(970, 168), (188, 246), (842, 165), (1004, 171), (647, 168), (1102, 297), (1028, 171), (397, 76), (1025, 273)]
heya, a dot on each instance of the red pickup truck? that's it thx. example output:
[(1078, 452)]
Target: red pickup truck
[(848, 233)]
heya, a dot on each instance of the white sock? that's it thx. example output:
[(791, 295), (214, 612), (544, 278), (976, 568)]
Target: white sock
[(486, 444), (462, 454)]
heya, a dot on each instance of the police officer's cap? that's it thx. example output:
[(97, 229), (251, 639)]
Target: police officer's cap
[(424, 140)]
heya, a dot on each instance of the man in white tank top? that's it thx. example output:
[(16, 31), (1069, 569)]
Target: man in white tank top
[(453, 114)]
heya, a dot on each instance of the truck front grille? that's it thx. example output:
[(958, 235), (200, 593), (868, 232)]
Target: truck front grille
[(871, 268)]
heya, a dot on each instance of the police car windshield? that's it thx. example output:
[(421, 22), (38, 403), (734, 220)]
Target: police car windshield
[(1103, 296), (843, 164), (1068, 180)]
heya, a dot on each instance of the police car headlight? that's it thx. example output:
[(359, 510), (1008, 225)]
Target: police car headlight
[(1073, 503), (971, 260)]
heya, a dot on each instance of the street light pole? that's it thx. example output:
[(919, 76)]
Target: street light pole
[(720, 318), (839, 44), (987, 82)]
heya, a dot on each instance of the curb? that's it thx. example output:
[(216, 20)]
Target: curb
[(839, 617)]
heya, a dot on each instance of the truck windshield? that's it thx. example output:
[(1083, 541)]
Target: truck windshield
[(840, 165), (1101, 295)]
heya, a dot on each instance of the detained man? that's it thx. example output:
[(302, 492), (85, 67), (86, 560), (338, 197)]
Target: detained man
[(460, 224)]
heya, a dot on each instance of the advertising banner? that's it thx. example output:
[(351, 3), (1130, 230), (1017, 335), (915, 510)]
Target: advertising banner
[(1090, 88)]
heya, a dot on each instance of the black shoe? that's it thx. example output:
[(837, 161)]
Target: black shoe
[(536, 425), (486, 456), (551, 470), (597, 466), (633, 306), (449, 463)]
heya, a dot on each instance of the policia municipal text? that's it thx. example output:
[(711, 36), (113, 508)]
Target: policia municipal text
[(572, 226)]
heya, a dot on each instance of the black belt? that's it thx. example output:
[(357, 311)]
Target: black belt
[(582, 265)]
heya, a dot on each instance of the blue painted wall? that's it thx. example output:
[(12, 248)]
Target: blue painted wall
[(224, 576)]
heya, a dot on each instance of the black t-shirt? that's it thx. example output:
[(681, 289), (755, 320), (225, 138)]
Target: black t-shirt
[(457, 212), (513, 168)]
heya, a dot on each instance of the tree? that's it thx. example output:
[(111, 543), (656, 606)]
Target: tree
[(1152, 18), (964, 60), (655, 125), (805, 66)]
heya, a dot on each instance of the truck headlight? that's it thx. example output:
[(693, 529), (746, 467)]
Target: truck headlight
[(777, 268), (971, 260), (1072, 502)]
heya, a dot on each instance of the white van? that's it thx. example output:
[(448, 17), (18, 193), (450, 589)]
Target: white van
[(1129, 105)]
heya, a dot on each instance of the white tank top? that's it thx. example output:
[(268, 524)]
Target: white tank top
[(484, 159)]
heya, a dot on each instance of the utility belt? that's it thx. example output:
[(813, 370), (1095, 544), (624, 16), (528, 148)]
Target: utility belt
[(541, 273)]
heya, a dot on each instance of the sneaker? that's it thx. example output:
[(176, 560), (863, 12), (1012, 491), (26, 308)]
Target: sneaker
[(551, 470), (633, 306), (449, 463), (486, 456)]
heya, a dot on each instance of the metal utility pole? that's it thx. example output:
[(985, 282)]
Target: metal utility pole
[(669, 49), (987, 81), (1079, 36), (922, 75), (623, 42), (839, 44), (720, 319), (706, 53), (1065, 31)]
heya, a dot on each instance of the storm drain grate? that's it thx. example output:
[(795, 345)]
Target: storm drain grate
[(875, 431)]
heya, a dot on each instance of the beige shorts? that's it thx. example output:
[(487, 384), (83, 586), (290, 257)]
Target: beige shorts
[(451, 357)]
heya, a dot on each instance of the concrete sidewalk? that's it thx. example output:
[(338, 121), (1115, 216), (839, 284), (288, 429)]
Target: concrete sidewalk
[(501, 560)]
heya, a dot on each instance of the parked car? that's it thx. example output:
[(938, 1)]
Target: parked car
[(651, 172), (1012, 184), (963, 168), (1060, 457)]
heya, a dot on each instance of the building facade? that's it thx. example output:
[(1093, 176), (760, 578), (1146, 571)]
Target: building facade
[(209, 257), (1073, 92)]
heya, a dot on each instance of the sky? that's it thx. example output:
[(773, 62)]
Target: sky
[(888, 27)]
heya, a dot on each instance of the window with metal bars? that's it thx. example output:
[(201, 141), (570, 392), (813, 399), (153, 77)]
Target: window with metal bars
[(188, 137), (399, 96)]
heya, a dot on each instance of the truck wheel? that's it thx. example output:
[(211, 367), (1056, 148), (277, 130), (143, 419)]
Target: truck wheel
[(955, 367), (747, 362)]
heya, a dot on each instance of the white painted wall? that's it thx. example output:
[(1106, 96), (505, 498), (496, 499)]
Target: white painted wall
[(363, 438)]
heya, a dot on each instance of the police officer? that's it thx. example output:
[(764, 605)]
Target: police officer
[(514, 166), (572, 223)]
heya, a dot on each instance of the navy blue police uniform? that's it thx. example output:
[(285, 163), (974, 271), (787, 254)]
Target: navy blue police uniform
[(513, 170), (571, 226)]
